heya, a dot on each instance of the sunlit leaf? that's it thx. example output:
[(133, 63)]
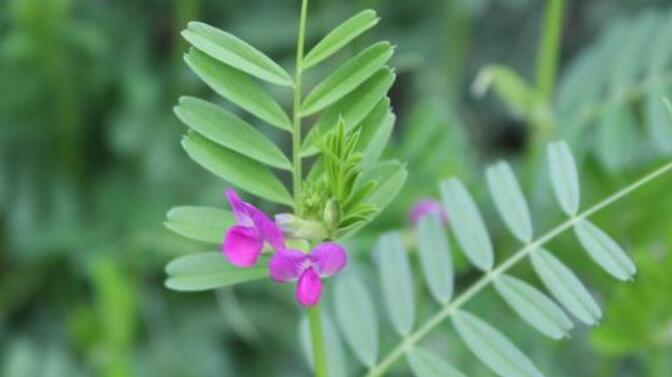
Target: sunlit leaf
[(396, 281), (604, 250), (211, 270), (424, 363), (233, 51), (205, 224), (533, 306), (467, 223), (353, 108), (347, 77), (492, 348), (566, 287), (247, 174), (564, 176), (356, 316), (435, 258), (509, 200), (238, 88), (226, 129), (341, 36)]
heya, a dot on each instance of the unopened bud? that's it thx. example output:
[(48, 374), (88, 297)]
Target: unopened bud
[(332, 214), (297, 228)]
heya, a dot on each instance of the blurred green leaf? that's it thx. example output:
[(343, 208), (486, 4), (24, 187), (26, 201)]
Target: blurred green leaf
[(513, 90), (356, 317), (200, 223), (335, 356), (492, 348), (566, 287), (389, 177), (467, 223), (247, 174), (375, 134), (353, 108), (509, 200), (205, 271), (604, 250), (396, 281), (533, 306), (233, 51), (347, 77), (238, 88), (424, 363), (341, 36), (564, 177), (435, 257), (226, 129)]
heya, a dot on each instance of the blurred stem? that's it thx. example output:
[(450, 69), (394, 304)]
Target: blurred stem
[(317, 340), (454, 306), (458, 26), (296, 116), (549, 48)]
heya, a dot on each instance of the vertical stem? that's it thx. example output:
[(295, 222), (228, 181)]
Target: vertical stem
[(317, 340), (549, 46), (314, 317), (296, 116)]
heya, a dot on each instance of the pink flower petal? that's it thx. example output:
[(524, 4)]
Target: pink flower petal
[(248, 215), (424, 207), (242, 246), (239, 208), (309, 288), (329, 258), (286, 265)]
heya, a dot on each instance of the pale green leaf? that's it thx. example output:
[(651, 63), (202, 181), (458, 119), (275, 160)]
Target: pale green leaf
[(617, 137), (424, 363), (356, 316), (341, 36), (390, 176), (374, 137), (347, 77), (205, 271), (396, 281), (247, 174), (233, 51), (604, 250), (493, 348), (238, 88), (658, 121), (226, 129), (509, 200), (534, 307), (200, 223), (564, 176), (467, 223), (336, 366), (353, 108), (566, 287), (435, 257)]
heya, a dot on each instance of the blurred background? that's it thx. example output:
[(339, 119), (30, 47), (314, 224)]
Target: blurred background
[(90, 162)]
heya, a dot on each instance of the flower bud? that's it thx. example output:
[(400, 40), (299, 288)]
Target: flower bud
[(332, 214), (297, 228)]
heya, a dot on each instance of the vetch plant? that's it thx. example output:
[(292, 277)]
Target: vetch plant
[(338, 184)]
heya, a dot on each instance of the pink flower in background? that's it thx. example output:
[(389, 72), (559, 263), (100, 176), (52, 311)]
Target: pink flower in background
[(426, 206), (244, 242), (324, 260)]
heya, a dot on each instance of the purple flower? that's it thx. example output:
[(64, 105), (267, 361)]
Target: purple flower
[(244, 242), (426, 206), (324, 260)]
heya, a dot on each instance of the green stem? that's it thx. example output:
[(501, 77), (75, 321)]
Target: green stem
[(314, 317), (549, 48), (317, 340), (296, 111), (477, 287)]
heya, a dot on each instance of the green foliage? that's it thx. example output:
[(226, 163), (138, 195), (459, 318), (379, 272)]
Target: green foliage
[(435, 257), (203, 224), (205, 271), (424, 363)]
